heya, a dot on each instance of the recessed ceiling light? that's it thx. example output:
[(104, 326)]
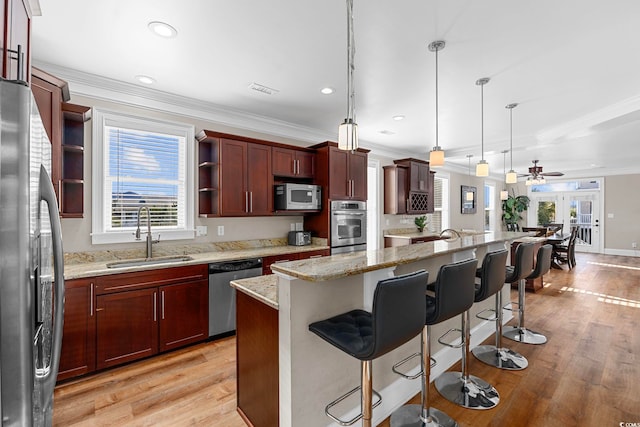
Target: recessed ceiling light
[(398, 117), (145, 79), (327, 90), (386, 132), (162, 29)]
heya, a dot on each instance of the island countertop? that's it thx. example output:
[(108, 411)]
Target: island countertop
[(343, 265), (262, 288)]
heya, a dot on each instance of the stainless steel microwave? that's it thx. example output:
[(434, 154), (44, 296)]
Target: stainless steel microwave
[(292, 197)]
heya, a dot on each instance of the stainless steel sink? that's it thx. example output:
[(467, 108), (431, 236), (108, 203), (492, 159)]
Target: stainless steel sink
[(140, 262)]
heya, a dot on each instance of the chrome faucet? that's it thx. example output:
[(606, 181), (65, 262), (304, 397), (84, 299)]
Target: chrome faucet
[(150, 240), (450, 231)]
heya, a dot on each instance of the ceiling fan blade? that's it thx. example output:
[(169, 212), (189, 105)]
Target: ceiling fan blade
[(552, 173), (521, 175)]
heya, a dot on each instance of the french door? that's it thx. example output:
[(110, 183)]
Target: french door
[(577, 208)]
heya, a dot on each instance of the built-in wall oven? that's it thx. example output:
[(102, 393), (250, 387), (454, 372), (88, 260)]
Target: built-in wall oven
[(348, 226)]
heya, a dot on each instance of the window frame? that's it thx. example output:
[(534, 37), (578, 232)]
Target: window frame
[(445, 209), (100, 158)]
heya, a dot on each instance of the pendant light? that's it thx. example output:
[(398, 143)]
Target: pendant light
[(511, 177), (482, 168), (504, 194), (348, 130), (436, 156), (469, 195)]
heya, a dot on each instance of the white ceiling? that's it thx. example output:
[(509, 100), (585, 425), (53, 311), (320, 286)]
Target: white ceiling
[(572, 65)]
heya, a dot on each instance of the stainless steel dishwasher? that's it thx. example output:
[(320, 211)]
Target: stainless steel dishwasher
[(222, 297)]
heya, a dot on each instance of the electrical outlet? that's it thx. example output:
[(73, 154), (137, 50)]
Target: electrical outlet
[(298, 226), (221, 230), (201, 230), (634, 245), (292, 226)]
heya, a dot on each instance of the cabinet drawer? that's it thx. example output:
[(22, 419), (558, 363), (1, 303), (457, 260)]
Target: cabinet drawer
[(149, 278)]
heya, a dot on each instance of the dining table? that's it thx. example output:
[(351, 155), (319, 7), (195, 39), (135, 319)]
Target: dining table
[(556, 239)]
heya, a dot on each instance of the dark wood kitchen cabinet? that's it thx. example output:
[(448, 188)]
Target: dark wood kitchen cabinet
[(291, 163), (267, 261), (79, 332), (246, 180), (235, 177), (143, 313), (16, 31), (342, 174), (408, 187)]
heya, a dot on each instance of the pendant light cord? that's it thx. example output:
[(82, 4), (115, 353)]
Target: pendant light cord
[(511, 136), (437, 143), (351, 52), (482, 119)]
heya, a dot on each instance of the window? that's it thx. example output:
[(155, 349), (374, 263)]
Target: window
[(141, 163), (440, 216), (489, 207)]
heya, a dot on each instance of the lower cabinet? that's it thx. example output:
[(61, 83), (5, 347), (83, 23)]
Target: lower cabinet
[(268, 260), (119, 318), (79, 332)]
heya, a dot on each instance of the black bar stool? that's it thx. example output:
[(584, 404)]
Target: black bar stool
[(492, 276), (397, 316), (520, 333), (459, 387), (452, 296)]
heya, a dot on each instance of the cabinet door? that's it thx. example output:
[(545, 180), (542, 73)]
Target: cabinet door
[(273, 259), (339, 184), (283, 162), (79, 333), (184, 314), (314, 254), (306, 164), (259, 179), (234, 195), (358, 175), (127, 326)]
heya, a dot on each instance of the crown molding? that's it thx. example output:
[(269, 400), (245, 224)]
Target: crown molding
[(106, 89)]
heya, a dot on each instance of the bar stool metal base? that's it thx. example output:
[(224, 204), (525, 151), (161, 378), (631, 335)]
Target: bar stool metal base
[(475, 393), (503, 358), (524, 335), (410, 416)]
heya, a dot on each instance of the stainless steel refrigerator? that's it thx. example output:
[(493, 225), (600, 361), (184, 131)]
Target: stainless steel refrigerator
[(31, 264)]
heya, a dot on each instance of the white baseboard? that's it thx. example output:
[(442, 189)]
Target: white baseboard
[(623, 252), (400, 391)]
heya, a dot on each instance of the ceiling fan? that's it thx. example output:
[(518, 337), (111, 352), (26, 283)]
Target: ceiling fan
[(536, 176)]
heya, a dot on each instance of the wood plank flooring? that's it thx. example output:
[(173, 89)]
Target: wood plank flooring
[(588, 374)]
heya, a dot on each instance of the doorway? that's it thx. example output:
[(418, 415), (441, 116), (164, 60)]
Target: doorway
[(570, 208)]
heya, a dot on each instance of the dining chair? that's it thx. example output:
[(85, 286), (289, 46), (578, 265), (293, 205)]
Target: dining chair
[(567, 253)]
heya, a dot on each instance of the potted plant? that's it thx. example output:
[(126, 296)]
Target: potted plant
[(421, 222), (512, 208)]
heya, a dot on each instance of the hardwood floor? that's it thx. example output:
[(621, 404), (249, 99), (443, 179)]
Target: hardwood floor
[(588, 374)]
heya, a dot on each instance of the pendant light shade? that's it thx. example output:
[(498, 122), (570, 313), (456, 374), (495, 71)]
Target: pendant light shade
[(511, 177), (482, 168), (348, 130), (436, 156)]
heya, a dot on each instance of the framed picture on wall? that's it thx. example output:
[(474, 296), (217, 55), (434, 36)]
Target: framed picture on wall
[(468, 199)]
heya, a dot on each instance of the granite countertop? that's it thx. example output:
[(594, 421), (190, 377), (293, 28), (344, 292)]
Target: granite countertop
[(262, 288), (89, 265), (413, 233), (337, 266)]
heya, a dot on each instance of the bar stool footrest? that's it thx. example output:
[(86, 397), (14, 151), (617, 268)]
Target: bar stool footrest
[(490, 319), (441, 339), (395, 367), (343, 397), (512, 306)]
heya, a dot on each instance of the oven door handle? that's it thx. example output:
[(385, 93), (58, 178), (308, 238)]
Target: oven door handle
[(348, 213)]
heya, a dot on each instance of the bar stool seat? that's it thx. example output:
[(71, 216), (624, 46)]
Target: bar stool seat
[(492, 276), (397, 316), (520, 333)]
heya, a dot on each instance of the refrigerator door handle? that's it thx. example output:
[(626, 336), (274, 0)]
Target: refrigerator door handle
[(49, 376)]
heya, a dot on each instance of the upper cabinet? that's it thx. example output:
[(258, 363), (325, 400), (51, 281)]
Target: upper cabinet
[(235, 177), (343, 174), (15, 40), (293, 163), (408, 187), (65, 126)]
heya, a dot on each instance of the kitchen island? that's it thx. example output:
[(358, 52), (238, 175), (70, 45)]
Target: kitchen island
[(312, 373)]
